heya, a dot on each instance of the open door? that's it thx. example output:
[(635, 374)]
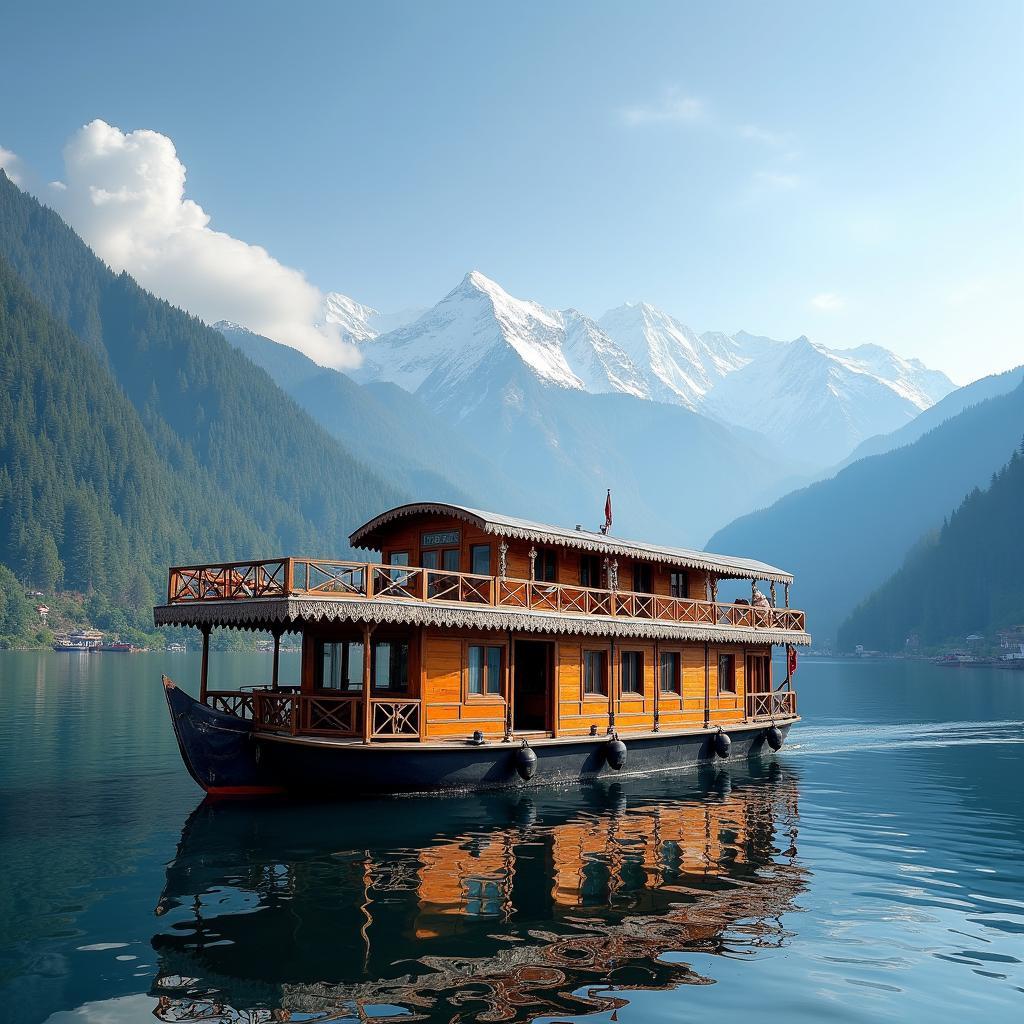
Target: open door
[(531, 684)]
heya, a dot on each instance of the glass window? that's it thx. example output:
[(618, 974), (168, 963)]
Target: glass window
[(590, 571), (595, 679), (480, 559), (391, 665), (679, 584), (641, 578), (632, 672), (546, 566), (670, 675), (484, 670), (429, 559), (399, 558), (450, 559), (726, 673), (341, 666)]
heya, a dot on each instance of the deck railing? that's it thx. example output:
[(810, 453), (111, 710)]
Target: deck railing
[(775, 704), (307, 577)]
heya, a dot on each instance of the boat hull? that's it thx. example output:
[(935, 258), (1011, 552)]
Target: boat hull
[(227, 758)]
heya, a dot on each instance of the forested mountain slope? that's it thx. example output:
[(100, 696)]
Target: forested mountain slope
[(843, 537), (969, 577), (85, 500), (201, 403)]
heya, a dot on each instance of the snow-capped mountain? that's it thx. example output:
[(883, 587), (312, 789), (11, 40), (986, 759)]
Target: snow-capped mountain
[(817, 402), (820, 402), (357, 322)]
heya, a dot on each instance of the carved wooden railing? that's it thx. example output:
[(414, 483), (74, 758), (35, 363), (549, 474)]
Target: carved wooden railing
[(394, 719), (233, 702), (306, 577), (776, 704)]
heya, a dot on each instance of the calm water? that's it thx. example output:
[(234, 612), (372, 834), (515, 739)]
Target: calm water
[(872, 870)]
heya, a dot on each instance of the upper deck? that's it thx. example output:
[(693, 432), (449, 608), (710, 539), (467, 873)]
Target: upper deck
[(446, 565)]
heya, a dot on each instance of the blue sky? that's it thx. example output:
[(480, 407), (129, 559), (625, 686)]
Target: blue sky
[(848, 171)]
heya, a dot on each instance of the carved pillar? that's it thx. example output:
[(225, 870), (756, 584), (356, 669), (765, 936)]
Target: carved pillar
[(714, 588), (707, 586), (533, 564), (277, 658), (787, 595), (205, 667), (502, 560), (753, 590), (367, 682), (773, 597), (613, 574)]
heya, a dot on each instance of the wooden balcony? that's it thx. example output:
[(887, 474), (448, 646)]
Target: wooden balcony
[(323, 578), (775, 704)]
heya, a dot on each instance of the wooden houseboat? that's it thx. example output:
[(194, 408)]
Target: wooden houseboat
[(484, 651)]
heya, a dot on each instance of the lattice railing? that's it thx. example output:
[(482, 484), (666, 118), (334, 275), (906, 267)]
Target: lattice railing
[(336, 716), (394, 719), (774, 704), (275, 711), (369, 580), (233, 702)]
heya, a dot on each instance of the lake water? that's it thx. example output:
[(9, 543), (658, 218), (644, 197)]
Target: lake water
[(873, 870)]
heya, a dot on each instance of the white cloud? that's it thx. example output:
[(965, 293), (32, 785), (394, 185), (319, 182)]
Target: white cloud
[(12, 165), (124, 193), (757, 134), (776, 180), (673, 107), (827, 302)]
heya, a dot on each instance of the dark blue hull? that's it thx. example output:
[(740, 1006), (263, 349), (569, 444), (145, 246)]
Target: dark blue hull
[(227, 758), (219, 749)]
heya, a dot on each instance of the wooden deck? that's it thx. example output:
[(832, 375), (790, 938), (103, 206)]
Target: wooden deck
[(323, 578)]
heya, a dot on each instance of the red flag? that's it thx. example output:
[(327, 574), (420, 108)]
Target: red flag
[(792, 661), (608, 511)]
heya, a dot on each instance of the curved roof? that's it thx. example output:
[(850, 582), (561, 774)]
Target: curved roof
[(370, 535)]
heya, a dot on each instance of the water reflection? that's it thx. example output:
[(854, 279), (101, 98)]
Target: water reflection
[(487, 908)]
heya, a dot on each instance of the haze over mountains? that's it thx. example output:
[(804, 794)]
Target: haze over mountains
[(811, 401)]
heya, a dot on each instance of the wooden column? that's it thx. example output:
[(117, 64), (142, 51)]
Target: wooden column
[(787, 595), (611, 689), (277, 659), (657, 686), (707, 687), (367, 680), (205, 667), (510, 688)]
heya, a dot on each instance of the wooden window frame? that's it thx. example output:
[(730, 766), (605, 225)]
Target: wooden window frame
[(490, 559), (399, 551), (643, 569), (625, 694), (722, 691), (319, 644), (673, 588), (587, 695), (375, 690), (677, 689), (541, 553), (591, 562), (485, 698)]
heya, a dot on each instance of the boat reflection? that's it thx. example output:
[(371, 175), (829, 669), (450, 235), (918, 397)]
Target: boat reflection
[(497, 908)]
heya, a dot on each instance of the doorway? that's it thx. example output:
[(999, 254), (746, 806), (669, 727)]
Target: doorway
[(531, 686), (759, 673)]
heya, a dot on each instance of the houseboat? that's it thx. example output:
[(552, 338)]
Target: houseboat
[(484, 651)]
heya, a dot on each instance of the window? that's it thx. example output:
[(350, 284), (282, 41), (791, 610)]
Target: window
[(340, 666), (391, 665), (726, 673), (641, 578), (480, 559), (595, 674), (679, 584), (546, 566), (485, 670), (671, 678), (590, 571), (632, 672), (399, 558)]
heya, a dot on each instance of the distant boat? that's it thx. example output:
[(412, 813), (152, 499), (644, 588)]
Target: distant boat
[(955, 659), (176, 648), (78, 641), (116, 648)]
